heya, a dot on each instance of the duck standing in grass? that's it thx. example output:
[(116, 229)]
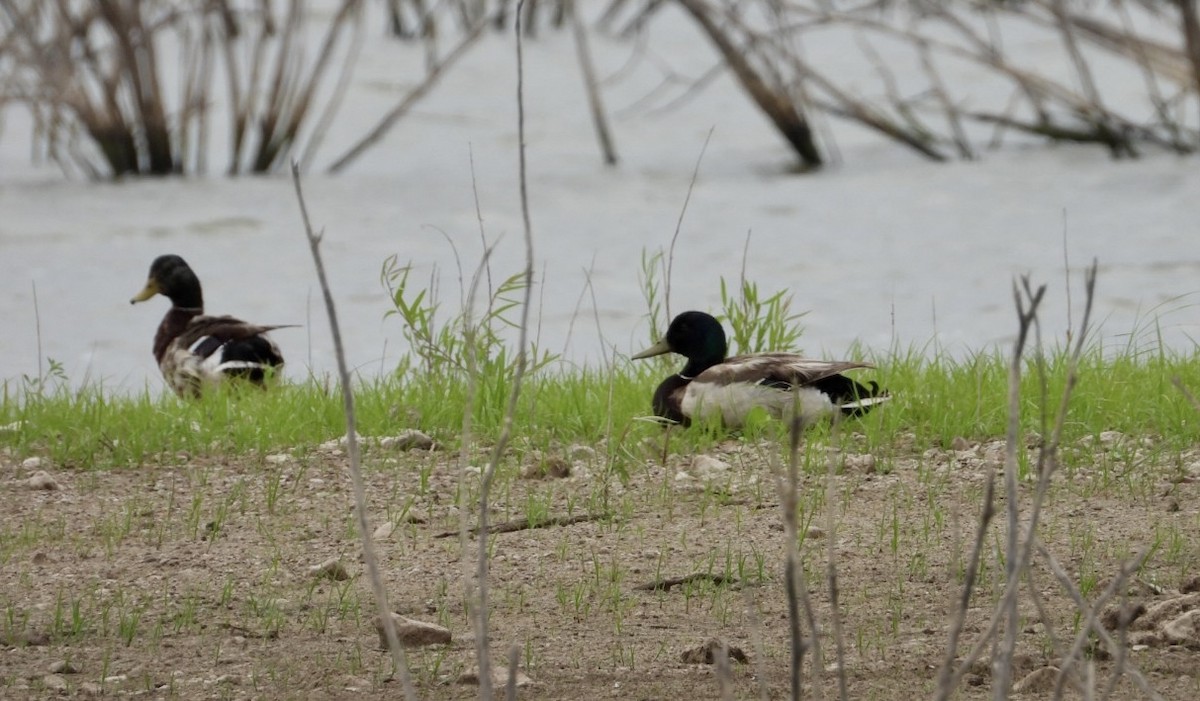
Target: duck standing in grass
[(194, 350), (712, 386)]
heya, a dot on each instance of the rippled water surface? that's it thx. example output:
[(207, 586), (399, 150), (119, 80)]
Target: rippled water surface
[(883, 249)]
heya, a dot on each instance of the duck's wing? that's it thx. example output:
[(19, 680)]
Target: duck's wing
[(211, 347), (770, 379), (779, 370), (226, 328)]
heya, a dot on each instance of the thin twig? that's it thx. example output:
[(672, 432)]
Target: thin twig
[(1002, 663), (946, 677), (953, 115), (37, 327), (595, 103), (389, 120), (489, 476), (1047, 463), (360, 499), (756, 639), (831, 564), (510, 689), (787, 501), (1122, 656), (1067, 274), (341, 85), (797, 590), (1091, 622), (472, 389), (1186, 392), (724, 674), (679, 222)]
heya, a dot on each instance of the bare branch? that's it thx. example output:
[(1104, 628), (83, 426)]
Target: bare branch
[(352, 451), (596, 105), (480, 619), (412, 98)]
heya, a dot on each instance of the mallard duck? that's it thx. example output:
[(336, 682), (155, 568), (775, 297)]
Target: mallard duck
[(194, 350), (713, 386)]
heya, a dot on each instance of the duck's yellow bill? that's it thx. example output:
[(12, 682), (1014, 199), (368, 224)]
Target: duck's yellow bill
[(147, 292), (656, 349)]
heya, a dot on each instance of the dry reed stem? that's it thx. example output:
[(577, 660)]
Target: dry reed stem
[(1046, 465), (789, 119), (1122, 656), (1027, 317), (352, 450), (1186, 392), (794, 582), (954, 116), (341, 86), (1059, 9), (1189, 21), (1154, 57), (481, 614), (96, 65), (472, 389), (432, 77), (724, 673), (1020, 552), (1101, 125), (1056, 647), (595, 103), (756, 640), (514, 659), (1027, 300), (670, 262), (1091, 622), (787, 491), (831, 559), (947, 679)]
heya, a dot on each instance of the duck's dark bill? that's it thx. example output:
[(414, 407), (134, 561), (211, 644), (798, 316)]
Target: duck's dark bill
[(656, 349)]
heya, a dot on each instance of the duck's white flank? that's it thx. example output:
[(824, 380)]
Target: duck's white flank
[(186, 370), (703, 401)]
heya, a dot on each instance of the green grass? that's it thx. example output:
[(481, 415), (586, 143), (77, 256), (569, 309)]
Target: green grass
[(935, 401), (937, 398)]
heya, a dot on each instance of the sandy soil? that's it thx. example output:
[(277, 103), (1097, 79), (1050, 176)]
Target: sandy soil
[(191, 578)]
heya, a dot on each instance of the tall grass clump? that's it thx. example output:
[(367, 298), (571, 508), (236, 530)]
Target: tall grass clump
[(464, 351)]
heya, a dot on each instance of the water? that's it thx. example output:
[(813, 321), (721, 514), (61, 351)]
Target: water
[(883, 250)]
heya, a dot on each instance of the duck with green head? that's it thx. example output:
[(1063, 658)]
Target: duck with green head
[(712, 386), (194, 350)]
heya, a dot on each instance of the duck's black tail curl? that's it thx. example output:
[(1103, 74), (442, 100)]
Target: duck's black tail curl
[(250, 358), (853, 398)]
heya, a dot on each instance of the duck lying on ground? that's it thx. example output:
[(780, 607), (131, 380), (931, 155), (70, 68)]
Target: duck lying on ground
[(194, 350), (712, 386)]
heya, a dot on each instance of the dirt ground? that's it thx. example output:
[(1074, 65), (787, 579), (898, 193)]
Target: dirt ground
[(194, 578)]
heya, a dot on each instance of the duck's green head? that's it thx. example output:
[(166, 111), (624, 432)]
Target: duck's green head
[(171, 277), (696, 336)]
